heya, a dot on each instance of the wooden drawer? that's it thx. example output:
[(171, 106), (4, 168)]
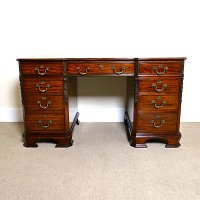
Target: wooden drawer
[(49, 122), (158, 104), (41, 68), (42, 85), (160, 68), (158, 86), (43, 103), (100, 68), (160, 123)]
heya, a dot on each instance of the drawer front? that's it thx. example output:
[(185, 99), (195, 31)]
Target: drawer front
[(40, 68), (160, 123), (42, 85), (100, 68), (158, 86), (160, 68), (158, 103), (49, 122), (43, 103)]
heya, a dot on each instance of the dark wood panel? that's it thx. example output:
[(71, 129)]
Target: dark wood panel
[(99, 68), (72, 99), (158, 86), (45, 123), (130, 99), (43, 103), (157, 123), (158, 103), (41, 68), (42, 85), (159, 68)]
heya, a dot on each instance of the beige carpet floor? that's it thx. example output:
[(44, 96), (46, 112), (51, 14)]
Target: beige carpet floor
[(99, 166)]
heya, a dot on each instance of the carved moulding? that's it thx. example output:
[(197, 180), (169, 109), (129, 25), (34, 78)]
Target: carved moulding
[(21, 89), (181, 89), (66, 90), (65, 68), (135, 90)]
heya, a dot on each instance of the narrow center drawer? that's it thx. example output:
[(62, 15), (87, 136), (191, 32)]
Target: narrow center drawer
[(84, 69)]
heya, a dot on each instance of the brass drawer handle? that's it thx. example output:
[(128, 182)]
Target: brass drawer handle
[(44, 126), (82, 73), (44, 107), (42, 68), (157, 126), (158, 106), (119, 72), (42, 83), (158, 71), (154, 85)]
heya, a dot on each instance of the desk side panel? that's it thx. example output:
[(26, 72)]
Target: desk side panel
[(130, 99), (71, 92)]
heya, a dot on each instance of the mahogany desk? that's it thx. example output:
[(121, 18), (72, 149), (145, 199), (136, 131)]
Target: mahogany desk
[(49, 97)]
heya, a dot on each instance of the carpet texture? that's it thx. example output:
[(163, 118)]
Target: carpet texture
[(99, 166)]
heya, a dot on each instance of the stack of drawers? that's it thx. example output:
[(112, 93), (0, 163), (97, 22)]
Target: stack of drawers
[(159, 101), (45, 112)]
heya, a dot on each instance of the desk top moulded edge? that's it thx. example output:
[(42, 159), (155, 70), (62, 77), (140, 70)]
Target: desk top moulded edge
[(76, 59), (104, 59)]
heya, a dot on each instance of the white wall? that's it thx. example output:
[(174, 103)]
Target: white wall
[(104, 28)]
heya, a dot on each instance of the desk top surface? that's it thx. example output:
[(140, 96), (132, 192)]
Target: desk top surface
[(104, 59)]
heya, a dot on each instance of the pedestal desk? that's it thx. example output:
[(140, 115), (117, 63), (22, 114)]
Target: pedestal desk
[(49, 97)]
